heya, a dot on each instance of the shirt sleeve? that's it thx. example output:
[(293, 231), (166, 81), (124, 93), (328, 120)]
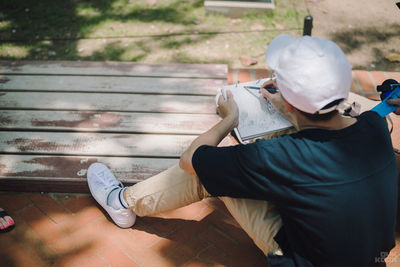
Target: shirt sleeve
[(234, 171)]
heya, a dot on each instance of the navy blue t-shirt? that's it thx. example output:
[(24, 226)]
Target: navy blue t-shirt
[(336, 190)]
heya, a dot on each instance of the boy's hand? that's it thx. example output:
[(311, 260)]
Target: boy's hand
[(274, 98), (277, 101), (395, 102), (227, 108)]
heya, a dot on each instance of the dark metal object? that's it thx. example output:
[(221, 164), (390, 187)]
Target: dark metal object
[(386, 88), (308, 24)]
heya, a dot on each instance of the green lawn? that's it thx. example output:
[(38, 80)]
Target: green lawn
[(131, 30)]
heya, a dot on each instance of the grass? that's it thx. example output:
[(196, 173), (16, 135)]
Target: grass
[(131, 30)]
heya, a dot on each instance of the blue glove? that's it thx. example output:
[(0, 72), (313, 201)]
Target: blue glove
[(384, 108)]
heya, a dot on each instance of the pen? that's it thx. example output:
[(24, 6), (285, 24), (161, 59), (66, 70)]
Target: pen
[(272, 90)]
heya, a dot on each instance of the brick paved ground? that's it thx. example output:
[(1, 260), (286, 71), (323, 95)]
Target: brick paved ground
[(70, 229)]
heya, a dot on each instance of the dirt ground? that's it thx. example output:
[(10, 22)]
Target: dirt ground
[(173, 31), (367, 30)]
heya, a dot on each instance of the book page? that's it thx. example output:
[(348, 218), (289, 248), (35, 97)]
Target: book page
[(257, 117)]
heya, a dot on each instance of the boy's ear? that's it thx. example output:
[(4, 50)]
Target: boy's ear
[(289, 107)]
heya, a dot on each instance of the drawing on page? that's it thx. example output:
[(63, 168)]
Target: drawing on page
[(256, 116)]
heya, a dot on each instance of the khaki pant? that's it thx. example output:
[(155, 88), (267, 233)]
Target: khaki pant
[(174, 188)]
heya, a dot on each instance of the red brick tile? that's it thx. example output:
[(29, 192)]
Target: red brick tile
[(49, 207), (13, 201), (244, 251), (379, 77), (229, 77), (166, 244), (75, 205), (187, 250), (354, 88), (144, 234), (160, 226), (6, 240), (229, 226), (145, 257), (124, 237), (393, 75), (64, 198), (94, 261), (196, 263), (365, 81), (75, 221), (162, 262), (32, 242), (41, 224), (135, 235), (216, 257), (262, 262), (355, 85), (141, 254), (262, 73), (16, 255), (116, 257), (243, 76), (105, 226), (87, 240), (76, 259), (218, 239)]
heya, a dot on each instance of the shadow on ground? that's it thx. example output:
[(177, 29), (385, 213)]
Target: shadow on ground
[(355, 39), (51, 29)]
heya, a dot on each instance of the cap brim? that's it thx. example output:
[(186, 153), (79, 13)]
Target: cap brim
[(275, 47)]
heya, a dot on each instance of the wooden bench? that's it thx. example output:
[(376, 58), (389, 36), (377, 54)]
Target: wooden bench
[(58, 117)]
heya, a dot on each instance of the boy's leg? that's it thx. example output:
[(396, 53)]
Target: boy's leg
[(258, 218), (174, 188), (170, 189)]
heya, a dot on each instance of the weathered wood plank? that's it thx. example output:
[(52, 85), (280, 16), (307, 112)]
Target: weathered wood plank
[(59, 117), (68, 173), (108, 102), (217, 71), (131, 145), (121, 122), (110, 84)]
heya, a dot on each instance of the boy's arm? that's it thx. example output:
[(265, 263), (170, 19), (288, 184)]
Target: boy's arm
[(230, 117)]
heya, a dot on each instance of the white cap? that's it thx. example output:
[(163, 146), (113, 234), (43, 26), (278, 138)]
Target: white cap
[(310, 72)]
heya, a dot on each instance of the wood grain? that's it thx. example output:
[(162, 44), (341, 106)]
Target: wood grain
[(215, 71), (38, 173), (110, 84), (113, 122), (58, 117), (108, 102), (131, 145)]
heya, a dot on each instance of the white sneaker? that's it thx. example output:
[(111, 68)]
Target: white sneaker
[(101, 183)]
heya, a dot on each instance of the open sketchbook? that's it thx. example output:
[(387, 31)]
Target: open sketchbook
[(257, 117)]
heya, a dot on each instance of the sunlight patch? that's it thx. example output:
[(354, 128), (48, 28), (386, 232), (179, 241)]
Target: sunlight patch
[(13, 51), (5, 24)]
